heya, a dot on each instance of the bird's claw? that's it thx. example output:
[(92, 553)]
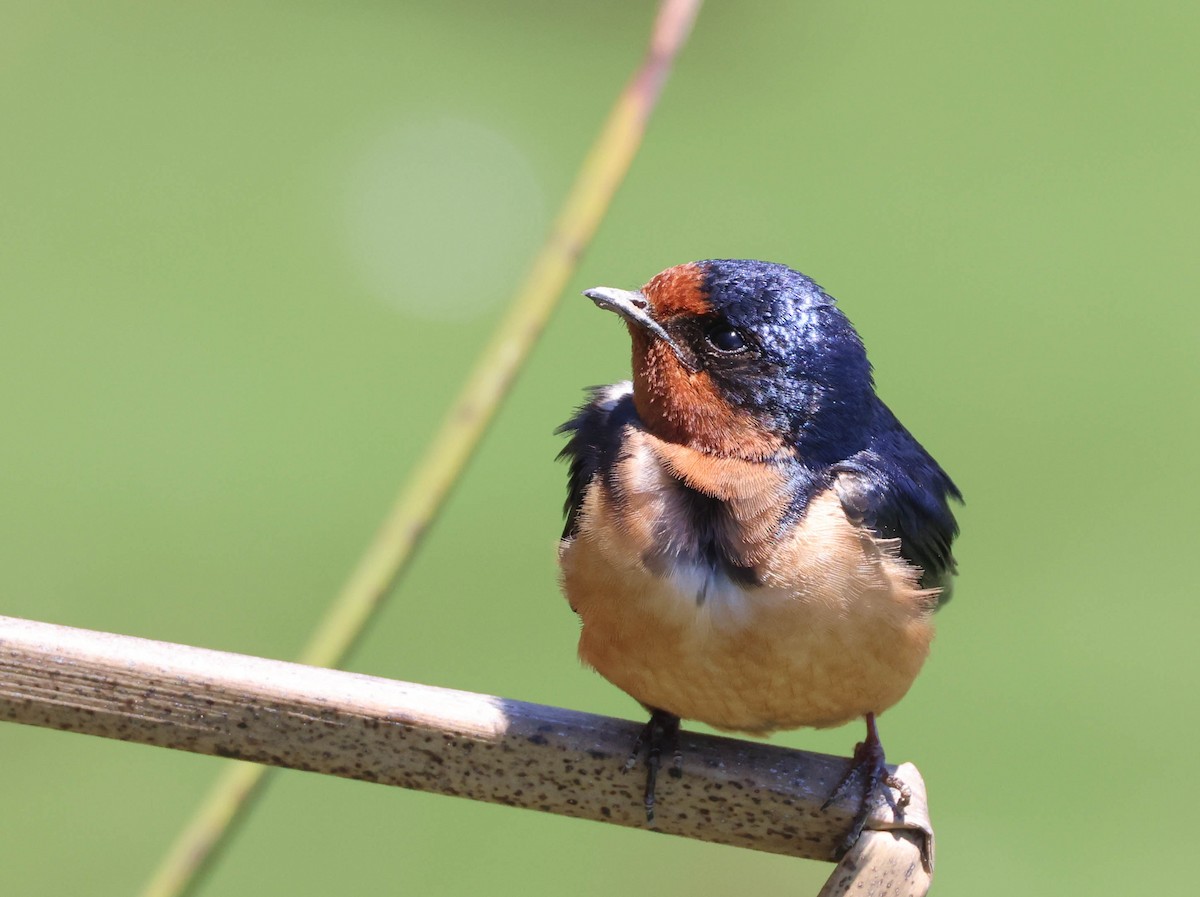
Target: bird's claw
[(868, 766), (659, 734)]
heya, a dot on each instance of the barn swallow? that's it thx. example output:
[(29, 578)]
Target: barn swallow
[(753, 540)]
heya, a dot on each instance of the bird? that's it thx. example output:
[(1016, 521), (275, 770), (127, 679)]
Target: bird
[(753, 540)]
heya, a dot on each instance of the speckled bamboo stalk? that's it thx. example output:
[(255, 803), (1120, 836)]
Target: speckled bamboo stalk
[(743, 793)]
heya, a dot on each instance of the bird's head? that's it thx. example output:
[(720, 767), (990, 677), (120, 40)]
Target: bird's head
[(745, 359)]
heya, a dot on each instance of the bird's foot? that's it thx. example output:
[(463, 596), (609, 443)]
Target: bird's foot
[(869, 767), (660, 734)]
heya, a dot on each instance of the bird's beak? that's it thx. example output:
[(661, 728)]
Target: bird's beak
[(634, 307)]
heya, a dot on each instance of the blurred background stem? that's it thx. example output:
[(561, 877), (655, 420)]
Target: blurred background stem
[(419, 502)]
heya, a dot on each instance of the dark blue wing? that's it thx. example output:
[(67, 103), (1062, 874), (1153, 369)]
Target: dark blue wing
[(595, 443), (898, 490)]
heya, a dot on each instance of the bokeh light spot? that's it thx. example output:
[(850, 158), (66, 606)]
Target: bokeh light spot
[(441, 217)]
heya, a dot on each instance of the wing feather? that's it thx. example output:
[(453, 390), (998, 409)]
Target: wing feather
[(896, 488)]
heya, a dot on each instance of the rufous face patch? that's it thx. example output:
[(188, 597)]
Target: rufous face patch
[(678, 291), (683, 405)]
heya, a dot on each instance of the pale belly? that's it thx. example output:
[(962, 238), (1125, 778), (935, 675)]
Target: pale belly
[(837, 629)]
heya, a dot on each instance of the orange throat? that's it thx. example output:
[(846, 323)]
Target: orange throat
[(684, 407)]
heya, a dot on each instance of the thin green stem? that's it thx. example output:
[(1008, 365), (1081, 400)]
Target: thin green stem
[(418, 504)]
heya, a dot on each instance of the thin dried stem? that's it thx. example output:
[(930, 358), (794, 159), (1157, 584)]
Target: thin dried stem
[(430, 482), (480, 747)]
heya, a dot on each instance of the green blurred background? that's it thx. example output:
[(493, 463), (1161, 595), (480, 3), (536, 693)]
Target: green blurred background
[(247, 251)]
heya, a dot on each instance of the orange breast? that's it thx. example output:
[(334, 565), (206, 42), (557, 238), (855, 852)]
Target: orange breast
[(836, 628)]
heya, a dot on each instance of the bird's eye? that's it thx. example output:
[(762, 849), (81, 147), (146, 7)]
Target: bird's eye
[(727, 339)]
